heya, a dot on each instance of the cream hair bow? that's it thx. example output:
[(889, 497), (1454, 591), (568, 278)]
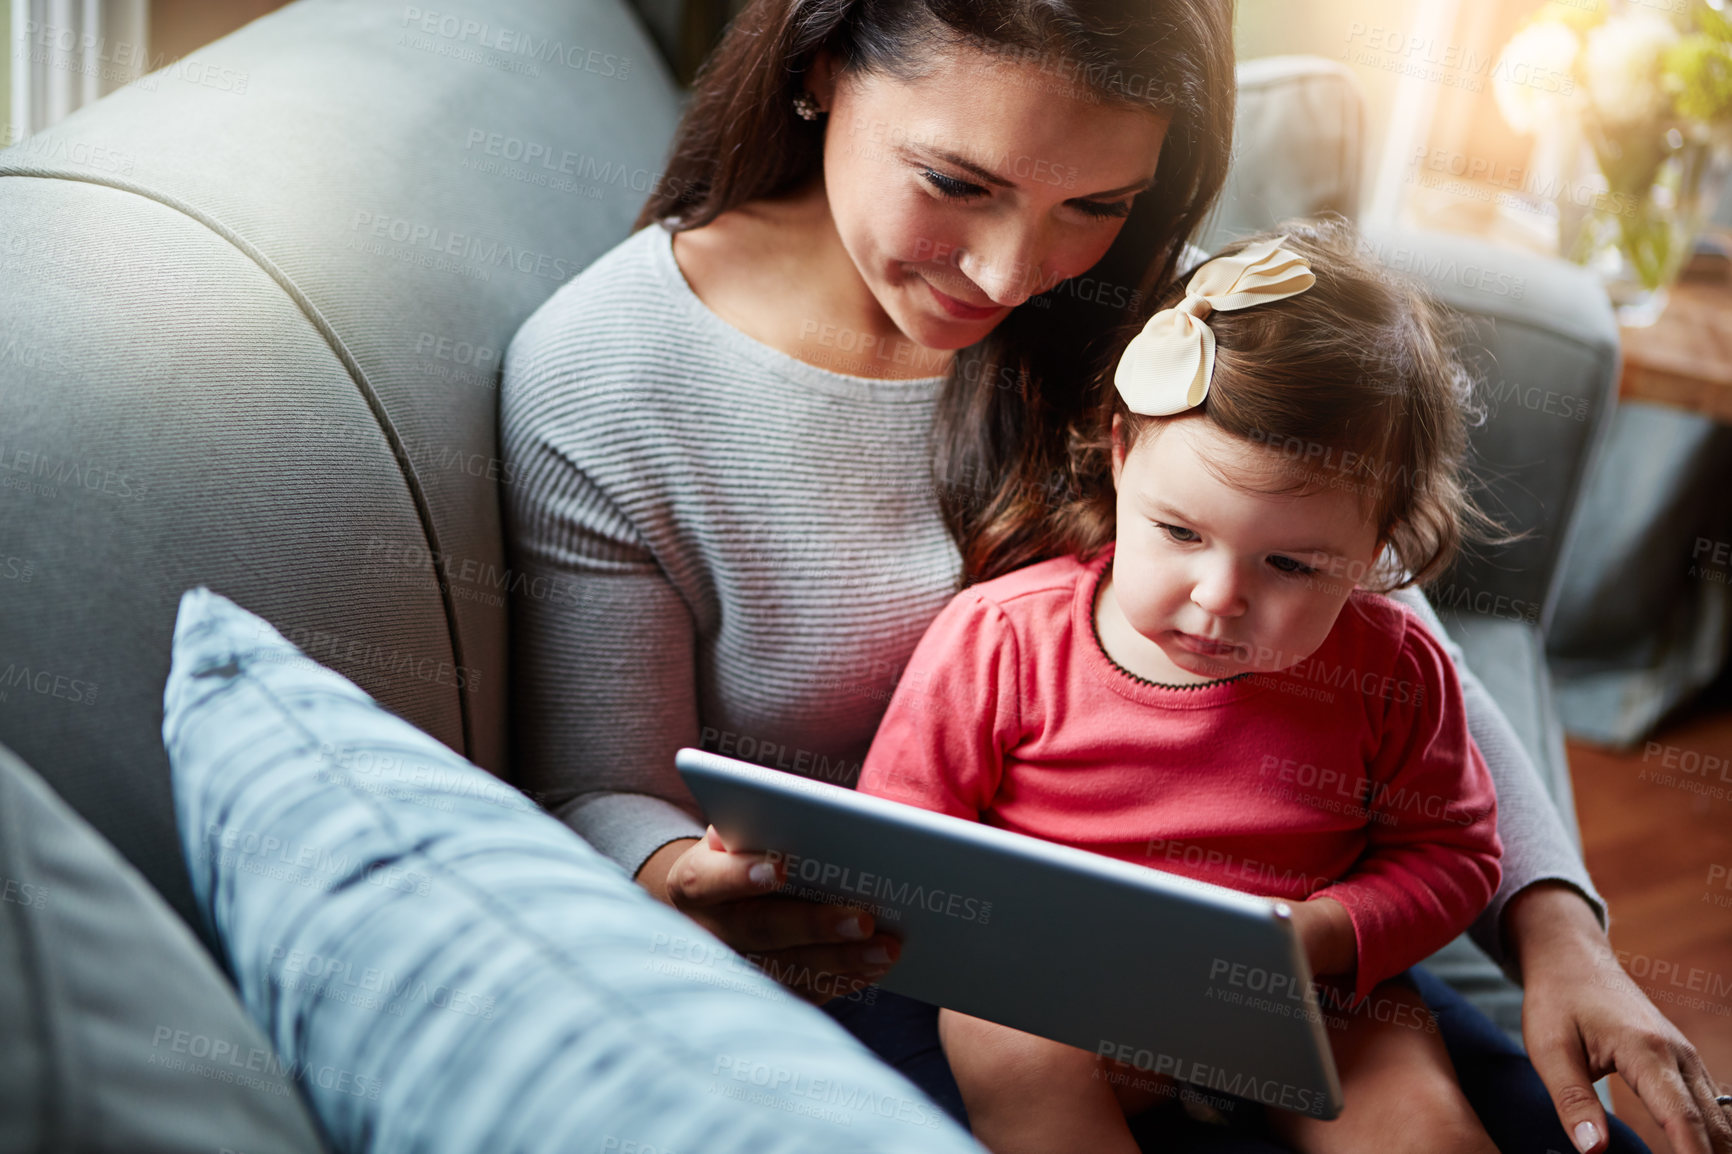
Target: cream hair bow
[(1166, 367)]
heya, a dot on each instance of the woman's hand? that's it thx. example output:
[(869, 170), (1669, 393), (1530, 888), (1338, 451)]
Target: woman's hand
[(818, 951), (1582, 1018)]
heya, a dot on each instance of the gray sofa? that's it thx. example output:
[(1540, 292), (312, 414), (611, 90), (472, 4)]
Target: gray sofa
[(250, 338)]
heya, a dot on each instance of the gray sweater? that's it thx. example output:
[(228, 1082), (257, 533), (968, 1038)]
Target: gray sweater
[(729, 548)]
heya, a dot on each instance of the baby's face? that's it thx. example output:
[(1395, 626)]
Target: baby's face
[(1224, 579)]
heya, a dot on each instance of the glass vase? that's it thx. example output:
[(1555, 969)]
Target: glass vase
[(1647, 197)]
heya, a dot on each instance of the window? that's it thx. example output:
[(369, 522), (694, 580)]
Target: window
[(64, 54)]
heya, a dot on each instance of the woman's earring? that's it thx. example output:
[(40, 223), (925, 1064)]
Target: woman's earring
[(807, 106)]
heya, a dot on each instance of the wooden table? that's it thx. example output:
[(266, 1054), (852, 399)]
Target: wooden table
[(1684, 359)]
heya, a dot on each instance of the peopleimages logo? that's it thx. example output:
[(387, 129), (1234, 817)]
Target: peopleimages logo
[(46, 683), (223, 1060), (885, 889), (514, 42), (92, 476), (1266, 1091), (564, 162), (466, 248), (780, 1081), (48, 148), (119, 62), (321, 975)]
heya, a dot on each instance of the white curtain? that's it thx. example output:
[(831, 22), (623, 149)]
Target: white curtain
[(68, 53), (1410, 120)]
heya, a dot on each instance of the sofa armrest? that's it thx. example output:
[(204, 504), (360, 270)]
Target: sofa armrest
[(1508, 657), (1541, 334)]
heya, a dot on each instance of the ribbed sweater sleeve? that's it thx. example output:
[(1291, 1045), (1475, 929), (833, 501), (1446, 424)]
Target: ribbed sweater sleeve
[(1432, 861), (715, 545), (601, 628)]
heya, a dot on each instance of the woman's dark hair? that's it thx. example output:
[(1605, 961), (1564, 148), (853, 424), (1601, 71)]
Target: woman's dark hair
[(999, 436), (1353, 383)]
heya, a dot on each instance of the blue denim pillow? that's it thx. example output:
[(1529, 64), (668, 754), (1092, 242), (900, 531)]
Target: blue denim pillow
[(451, 969)]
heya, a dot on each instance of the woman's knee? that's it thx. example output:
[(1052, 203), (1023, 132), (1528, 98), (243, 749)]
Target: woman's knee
[(1423, 1115), (1415, 1124), (1441, 1119)]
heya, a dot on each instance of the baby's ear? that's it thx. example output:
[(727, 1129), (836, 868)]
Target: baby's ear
[(1384, 562)]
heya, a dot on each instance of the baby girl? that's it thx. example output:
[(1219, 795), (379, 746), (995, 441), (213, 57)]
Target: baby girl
[(1209, 668)]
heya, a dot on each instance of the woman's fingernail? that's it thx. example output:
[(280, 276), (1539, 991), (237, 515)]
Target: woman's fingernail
[(851, 928), (878, 955), (762, 874), (1586, 1135)]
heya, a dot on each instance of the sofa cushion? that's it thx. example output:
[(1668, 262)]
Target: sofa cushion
[(484, 978), (1542, 337), (1298, 146), (121, 1034)]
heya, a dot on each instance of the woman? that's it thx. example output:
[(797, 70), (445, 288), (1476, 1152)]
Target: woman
[(770, 438)]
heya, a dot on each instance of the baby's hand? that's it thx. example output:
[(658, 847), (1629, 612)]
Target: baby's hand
[(1326, 933)]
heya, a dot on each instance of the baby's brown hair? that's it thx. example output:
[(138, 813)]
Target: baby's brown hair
[(1354, 382)]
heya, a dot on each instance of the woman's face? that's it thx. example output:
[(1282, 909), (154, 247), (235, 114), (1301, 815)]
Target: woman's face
[(962, 194)]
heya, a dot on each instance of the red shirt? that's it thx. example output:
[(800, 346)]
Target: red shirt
[(1350, 775)]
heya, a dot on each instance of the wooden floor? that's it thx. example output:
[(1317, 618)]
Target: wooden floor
[(1661, 854)]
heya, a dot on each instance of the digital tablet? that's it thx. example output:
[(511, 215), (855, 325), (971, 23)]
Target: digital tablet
[(1171, 976)]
